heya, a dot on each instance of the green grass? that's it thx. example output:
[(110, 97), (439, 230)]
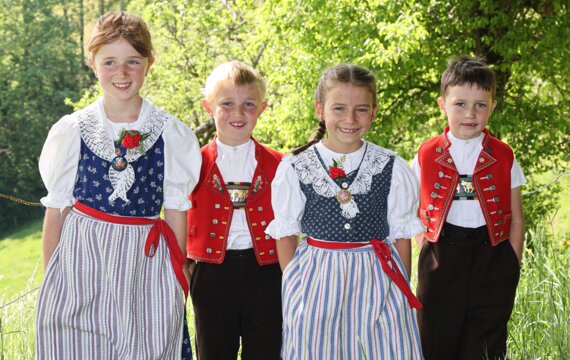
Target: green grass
[(540, 323), (538, 329), (560, 220), (20, 259), (21, 272)]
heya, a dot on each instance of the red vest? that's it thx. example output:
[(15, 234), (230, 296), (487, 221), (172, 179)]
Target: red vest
[(491, 182), (211, 214)]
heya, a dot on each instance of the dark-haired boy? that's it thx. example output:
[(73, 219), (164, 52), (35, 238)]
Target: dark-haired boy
[(470, 203)]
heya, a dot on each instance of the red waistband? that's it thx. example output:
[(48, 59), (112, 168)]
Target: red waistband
[(384, 254), (159, 227)]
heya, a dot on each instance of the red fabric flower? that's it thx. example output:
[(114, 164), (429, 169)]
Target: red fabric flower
[(336, 172), (131, 140)]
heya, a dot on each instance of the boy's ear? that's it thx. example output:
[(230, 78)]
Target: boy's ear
[(493, 105), (374, 112), (441, 103), (319, 110), (208, 107), (263, 107)]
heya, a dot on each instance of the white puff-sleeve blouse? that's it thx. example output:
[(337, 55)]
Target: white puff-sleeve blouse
[(59, 159), (288, 200)]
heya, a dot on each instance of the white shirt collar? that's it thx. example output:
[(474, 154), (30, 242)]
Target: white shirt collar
[(326, 152), (223, 148), (456, 141)]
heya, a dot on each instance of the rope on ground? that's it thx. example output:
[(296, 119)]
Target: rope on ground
[(20, 297), (20, 201), (547, 185)]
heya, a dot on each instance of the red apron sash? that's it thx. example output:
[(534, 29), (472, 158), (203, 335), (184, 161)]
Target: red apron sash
[(384, 254), (159, 227)]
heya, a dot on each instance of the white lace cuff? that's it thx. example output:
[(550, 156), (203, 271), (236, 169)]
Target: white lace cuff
[(406, 228), (180, 204), (281, 228), (58, 202)]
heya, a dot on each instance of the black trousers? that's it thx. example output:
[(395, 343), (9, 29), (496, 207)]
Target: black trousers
[(233, 300), (467, 289)]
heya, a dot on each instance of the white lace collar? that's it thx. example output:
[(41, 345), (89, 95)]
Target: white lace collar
[(92, 127), (311, 171), (351, 162)]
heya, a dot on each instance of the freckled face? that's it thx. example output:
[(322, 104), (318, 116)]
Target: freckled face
[(235, 110), (348, 113), (468, 109), (121, 70)]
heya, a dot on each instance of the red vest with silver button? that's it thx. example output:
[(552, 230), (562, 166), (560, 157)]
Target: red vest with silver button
[(491, 180), (211, 214)]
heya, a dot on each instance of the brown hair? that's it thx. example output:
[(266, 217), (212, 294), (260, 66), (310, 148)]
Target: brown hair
[(344, 74), (114, 25), (465, 70), (233, 73)]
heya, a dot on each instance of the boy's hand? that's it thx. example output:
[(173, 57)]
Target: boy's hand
[(420, 240), (188, 269)]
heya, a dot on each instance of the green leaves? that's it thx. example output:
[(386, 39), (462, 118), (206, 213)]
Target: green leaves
[(40, 66), (405, 43)]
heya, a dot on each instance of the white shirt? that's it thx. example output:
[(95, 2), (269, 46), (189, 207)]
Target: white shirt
[(237, 164), (59, 159), (288, 200), (468, 213)]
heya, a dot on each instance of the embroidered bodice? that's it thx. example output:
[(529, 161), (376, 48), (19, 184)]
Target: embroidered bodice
[(76, 163), (364, 216), (383, 202)]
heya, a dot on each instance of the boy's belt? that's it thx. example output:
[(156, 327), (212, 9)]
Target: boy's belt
[(384, 254), (159, 227)]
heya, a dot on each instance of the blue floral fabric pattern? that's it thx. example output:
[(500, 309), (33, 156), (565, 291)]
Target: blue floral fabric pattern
[(93, 186)]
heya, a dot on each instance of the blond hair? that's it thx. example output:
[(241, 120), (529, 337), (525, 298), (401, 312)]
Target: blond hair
[(233, 73)]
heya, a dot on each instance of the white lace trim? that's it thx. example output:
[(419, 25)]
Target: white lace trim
[(311, 172), (93, 133)]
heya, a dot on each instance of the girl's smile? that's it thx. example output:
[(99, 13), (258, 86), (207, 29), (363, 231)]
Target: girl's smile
[(121, 71), (348, 113), (122, 86)]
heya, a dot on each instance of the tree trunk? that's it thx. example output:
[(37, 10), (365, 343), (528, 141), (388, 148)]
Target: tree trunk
[(82, 32)]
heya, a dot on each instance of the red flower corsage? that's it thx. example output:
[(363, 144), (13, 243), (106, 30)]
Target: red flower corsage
[(132, 139), (336, 171)]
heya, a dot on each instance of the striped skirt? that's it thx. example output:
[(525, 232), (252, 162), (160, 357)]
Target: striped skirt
[(339, 304), (103, 298)]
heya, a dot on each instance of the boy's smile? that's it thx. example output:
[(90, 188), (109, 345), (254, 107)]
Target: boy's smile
[(235, 110), (468, 109)]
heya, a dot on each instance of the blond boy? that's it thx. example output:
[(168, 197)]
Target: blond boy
[(236, 280)]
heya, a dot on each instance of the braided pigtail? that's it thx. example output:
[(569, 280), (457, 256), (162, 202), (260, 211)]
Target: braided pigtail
[(321, 130), (343, 74)]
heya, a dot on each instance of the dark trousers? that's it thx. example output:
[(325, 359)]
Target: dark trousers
[(233, 300), (467, 289)]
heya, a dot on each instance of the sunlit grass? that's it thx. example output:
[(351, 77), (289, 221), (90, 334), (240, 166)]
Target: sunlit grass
[(538, 329)]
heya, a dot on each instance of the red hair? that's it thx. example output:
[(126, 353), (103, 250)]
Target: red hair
[(114, 25)]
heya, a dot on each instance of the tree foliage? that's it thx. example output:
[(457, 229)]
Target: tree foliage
[(405, 43), (40, 67)]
